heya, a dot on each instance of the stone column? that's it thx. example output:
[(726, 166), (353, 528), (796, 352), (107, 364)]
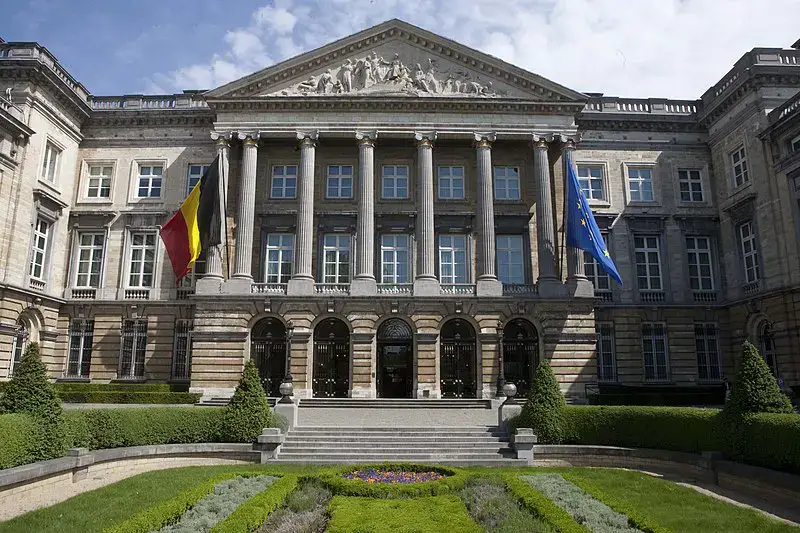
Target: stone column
[(364, 283), (577, 282), (302, 282), (425, 282), (246, 212), (487, 282), (211, 282), (548, 282)]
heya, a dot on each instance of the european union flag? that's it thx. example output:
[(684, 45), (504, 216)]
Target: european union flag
[(582, 230)]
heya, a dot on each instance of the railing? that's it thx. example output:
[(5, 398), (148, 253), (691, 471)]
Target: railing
[(752, 288), (268, 288), (183, 293), (788, 108), (704, 296), (34, 51), (332, 288), (759, 56), (83, 294), (137, 294), (37, 284), (651, 297), (518, 288), (395, 288), (458, 289), (609, 104), (138, 102), (604, 296)]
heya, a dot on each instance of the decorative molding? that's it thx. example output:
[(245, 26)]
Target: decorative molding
[(488, 338), (362, 338), (426, 338), (220, 336), (202, 117), (571, 338), (366, 137)]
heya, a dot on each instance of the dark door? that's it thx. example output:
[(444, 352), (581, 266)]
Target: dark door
[(331, 359), (520, 354), (395, 376), (268, 350), (457, 360)]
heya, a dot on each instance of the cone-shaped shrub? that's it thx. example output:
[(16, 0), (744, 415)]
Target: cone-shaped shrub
[(248, 413), (755, 389), (543, 409)]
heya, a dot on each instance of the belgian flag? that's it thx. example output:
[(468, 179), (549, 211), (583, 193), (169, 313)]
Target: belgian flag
[(196, 225)]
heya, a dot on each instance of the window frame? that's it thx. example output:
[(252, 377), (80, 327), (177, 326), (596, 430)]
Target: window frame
[(182, 340), (743, 163), (340, 177), (79, 247), (653, 342), (338, 263), (523, 278), (281, 248), (647, 250), (496, 180), (651, 167), (794, 144), (394, 177), (129, 246), (139, 341), (51, 145), (599, 325), (603, 166), (689, 181), (45, 252), (86, 331), (710, 367), (136, 174), (203, 169), (711, 263), (450, 177), (754, 253), (283, 178), (394, 250), (453, 250), (87, 181)]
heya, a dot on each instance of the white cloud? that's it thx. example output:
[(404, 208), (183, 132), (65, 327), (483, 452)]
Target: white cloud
[(658, 48)]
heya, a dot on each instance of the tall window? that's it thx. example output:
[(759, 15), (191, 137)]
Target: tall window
[(41, 233), (606, 352), (654, 346), (52, 155), (794, 144), (395, 259), (19, 344), (640, 184), (741, 175), (340, 181), (747, 238), (195, 174), (597, 274), (648, 263), (451, 183), (90, 259), (149, 181), (691, 186), (394, 182), (453, 259), (510, 263), (81, 333), (701, 273), (182, 349), (198, 269), (590, 178), (284, 181), (99, 185), (766, 341), (707, 347), (506, 183), (133, 347), (143, 259), (336, 251), (280, 256)]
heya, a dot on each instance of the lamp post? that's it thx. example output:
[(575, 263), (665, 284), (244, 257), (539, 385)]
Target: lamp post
[(286, 387), (501, 375)]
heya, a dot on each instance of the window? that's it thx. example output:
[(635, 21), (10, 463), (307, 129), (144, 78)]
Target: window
[(794, 144), (284, 181), (451, 183), (590, 178), (707, 347), (52, 155), (394, 182), (510, 265), (747, 237), (99, 184), (280, 256), (195, 174), (149, 181), (596, 273), (452, 259), (654, 346), (766, 342), (81, 333), (143, 259), (198, 270), (90, 259), (20, 342), (132, 349), (506, 183), (648, 263), (691, 185), (606, 352), (739, 165), (701, 274), (640, 184), (336, 252), (340, 181), (41, 233), (182, 349), (395, 259)]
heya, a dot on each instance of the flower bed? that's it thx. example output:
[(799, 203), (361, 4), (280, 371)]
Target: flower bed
[(432, 480), (393, 476)]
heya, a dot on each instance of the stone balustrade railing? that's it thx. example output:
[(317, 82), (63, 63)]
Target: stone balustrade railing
[(653, 106), (138, 102), (37, 52), (789, 108), (773, 57)]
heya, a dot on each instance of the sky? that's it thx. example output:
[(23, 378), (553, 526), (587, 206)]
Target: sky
[(629, 48)]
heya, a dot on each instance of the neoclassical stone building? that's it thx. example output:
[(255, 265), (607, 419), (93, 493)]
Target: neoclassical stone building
[(394, 208)]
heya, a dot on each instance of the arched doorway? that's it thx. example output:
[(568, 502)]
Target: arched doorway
[(457, 358), (766, 345), (268, 350), (520, 354), (331, 359), (20, 342), (395, 359)]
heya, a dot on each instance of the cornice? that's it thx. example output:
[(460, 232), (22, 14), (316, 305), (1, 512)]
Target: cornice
[(201, 117), (751, 80), (643, 122), (35, 71)]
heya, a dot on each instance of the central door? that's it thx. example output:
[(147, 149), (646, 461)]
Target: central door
[(395, 360), (268, 350), (331, 359), (457, 358), (520, 354)]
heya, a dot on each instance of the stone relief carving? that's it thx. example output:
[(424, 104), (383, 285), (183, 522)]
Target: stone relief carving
[(373, 74)]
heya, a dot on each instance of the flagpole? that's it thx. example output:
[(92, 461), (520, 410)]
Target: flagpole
[(564, 209), (224, 199)]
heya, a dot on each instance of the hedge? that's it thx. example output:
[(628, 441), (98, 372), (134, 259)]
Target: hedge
[(341, 486), (18, 430), (254, 512), (67, 386), (128, 396), (541, 506), (769, 440)]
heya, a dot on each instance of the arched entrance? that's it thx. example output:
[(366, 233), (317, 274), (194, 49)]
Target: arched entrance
[(395, 359), (457, 358), (520, 354), (20, 342), (766, 344), (331, 359), (268, 350)]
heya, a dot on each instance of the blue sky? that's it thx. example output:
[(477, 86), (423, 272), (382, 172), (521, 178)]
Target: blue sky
[(634, 48)]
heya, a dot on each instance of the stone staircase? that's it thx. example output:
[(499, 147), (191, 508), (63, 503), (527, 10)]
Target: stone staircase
[(392, 403)]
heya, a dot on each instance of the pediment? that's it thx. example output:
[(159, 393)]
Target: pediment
[(396, 59)]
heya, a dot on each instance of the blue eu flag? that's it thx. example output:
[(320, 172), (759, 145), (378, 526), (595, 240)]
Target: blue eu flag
[(582, 230)]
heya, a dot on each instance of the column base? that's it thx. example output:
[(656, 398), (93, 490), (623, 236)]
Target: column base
[(237, 286), (300, 287), (363, 287), (208, 285), (427, 287), (489, 287), (580, 288), (550, 288)]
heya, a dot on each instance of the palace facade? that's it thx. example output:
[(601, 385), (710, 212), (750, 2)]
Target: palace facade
[(394, 225)]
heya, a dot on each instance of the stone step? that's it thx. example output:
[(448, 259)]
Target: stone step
[(392, 403), (449, 462), (395, 429), (392, 450), (397, 434), (361, 457), (441, 441)]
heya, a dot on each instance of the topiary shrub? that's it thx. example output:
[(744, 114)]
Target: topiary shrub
[(248, 413), (543, 409), (755, 389)]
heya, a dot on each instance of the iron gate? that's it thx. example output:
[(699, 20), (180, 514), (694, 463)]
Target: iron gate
[(331, 368), (457, 370), (519, 360), (270, 358)]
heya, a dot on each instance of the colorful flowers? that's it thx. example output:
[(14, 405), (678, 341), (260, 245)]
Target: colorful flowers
[(393, 476)]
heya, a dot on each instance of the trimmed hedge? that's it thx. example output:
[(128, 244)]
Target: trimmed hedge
[(254, 512), (769, 439), (541, 506), (18, 430), (67, 386), (106, 396), (341, 486)]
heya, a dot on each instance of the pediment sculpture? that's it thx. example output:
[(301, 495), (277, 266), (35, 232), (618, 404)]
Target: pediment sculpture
[(372, 75)]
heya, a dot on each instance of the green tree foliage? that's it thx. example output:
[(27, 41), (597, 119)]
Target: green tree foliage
[(755, 389), (248, 413), (543, 409)]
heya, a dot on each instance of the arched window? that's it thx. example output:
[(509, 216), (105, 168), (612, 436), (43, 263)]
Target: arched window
[(766, 344)]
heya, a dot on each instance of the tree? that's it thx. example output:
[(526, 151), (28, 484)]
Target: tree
[(248, 413), (755, 389), (543, 409)]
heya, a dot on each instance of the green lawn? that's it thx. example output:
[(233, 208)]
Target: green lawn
[(433, 514)]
